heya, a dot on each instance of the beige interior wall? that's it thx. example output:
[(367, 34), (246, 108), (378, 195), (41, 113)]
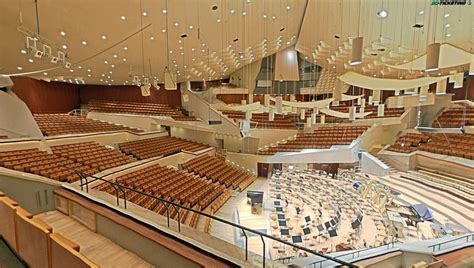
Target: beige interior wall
[(142, 246), (247, 76), (34, 196), (269, 136), (137, 121), (445, 166), (429, 113)]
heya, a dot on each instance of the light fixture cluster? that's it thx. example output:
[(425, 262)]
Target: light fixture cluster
[(145, 81), (42, 48)]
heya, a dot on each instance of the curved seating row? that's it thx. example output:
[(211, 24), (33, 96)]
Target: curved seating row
[(148, 148), (107, 106), (219, 171), (62, 124)]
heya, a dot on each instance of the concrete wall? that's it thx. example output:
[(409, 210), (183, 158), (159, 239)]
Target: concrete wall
[(371, 165), (148, 250), (34, 196)]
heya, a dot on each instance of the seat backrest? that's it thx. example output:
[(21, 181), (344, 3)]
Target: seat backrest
[(65, 253)]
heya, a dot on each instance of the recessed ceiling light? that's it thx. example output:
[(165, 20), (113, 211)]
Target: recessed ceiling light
[(163, 30), (382, 14), (64, 47), (62, 33), (193, 59), (103, 37), (232, 11), (19, 68), (110, 72), (448, 25), (89, 70), (264, 16), (152, 38), (45, 73), (244, 13), (192, 49), (179, 41), (171, 51), (123, 18), (84, 43), (89, 75), (106, 62), (191, 27), (182, 53), (113, 65), (274, 17), (79, 67), (164, 11), (102, 75), (30, 60), (101, 80), (176, 24), (114, 55), (71, 70), (125, 48), (124, 59), (421, 12), (144, 14), (23, 51), (448, 35), (288, 7), (218, 20), (446, 15)]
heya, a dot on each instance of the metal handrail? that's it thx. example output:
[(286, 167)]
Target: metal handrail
[(122, 188), (438, 245)]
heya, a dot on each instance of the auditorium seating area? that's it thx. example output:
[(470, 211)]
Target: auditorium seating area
[(409, 142), (161, 146), (92, 154), (459, 145), (322, 138), (38, 162), (261, 120), (455, 117), (220, 171), (170, 184), (63, 124), (106, 106)]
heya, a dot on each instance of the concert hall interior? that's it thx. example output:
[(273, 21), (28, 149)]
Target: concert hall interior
[(237, 133)]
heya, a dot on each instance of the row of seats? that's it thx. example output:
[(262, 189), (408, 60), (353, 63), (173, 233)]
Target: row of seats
[(92, 154), (21, 230), (169, 184), (459, 145), (262, 120), (106, 106), (321, 138), (63, 124), (3, 137), (409, 142), (451, 144), (41, 163), (148, 148), (455, 117), (217, 170)]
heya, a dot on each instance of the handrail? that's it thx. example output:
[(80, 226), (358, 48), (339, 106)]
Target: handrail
[(450, 241), (166, 203)]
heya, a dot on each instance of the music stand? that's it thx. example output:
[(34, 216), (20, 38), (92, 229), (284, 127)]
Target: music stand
[(320, 227), (282, 223), (332, 233), (306, 231), (284, 232), (281, 216), (307, 219), (279, 209), (297, 239), (328, 225), (277, 203), (333, 222), (278, 196)]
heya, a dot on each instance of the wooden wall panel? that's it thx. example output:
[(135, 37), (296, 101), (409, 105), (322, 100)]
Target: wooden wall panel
[(129, 93), (33, 242), (7, 221), (231, 98), (46, 97)]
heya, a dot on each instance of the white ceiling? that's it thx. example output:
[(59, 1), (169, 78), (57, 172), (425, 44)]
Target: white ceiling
[(208, 51), (210, 54), (394, 34)]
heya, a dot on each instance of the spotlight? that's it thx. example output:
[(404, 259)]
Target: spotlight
[(38, 54), (68, 65), (54, 59)]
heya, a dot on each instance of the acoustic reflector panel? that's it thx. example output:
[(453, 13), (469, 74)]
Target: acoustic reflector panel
[(279, 104), (357, 47), (381, 110), (441, 87), (432, 57)]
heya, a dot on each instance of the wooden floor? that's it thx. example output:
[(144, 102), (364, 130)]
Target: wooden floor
[(95, 247)]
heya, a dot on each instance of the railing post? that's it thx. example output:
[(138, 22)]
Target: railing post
[(179, 220), (246, 245), (264, 255), (167, 214)]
